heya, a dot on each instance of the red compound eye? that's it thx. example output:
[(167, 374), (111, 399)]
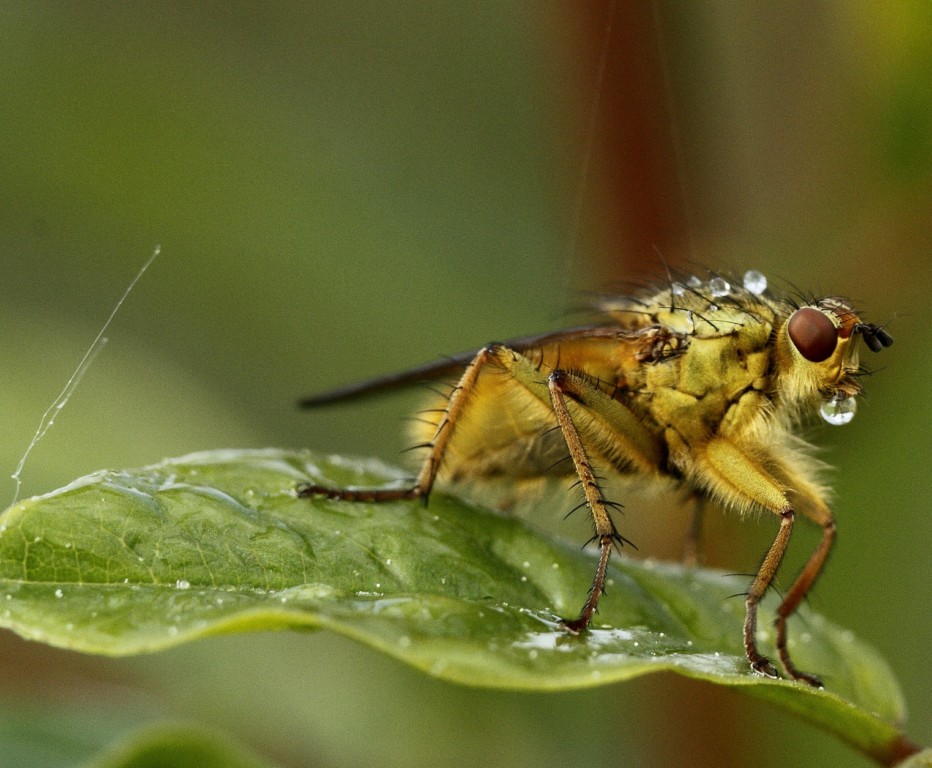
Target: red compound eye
[(813, 334)]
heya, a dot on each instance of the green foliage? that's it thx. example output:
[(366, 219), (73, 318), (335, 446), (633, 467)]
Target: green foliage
[(177, 746), (127, 562)]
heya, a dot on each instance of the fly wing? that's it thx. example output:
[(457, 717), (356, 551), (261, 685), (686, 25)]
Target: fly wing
[(446, 367)]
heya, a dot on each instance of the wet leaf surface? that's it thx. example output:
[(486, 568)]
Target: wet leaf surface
[(127, 562)]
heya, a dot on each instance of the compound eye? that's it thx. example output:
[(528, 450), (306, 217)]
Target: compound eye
[(813, 334)]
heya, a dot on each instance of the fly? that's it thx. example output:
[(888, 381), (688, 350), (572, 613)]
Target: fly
[(701, 382)]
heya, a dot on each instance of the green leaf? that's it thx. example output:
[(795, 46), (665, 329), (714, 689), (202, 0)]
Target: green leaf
[(137, 561), (177, 746)]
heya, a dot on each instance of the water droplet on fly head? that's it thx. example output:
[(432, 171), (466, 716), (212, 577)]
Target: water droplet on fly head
[(755, 282), (838, 410), (719, 287)]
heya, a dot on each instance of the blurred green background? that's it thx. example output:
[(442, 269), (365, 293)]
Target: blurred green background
[(341, 189)]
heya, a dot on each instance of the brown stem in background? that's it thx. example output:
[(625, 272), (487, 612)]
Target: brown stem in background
[(634, 208)]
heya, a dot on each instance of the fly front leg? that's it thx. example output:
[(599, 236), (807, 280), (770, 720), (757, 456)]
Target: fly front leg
[(794, 596), (437, 446), (768, 569), (726, 471), (810, 505)]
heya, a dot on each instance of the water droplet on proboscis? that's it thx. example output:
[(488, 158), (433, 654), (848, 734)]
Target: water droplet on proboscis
[(838, 410)]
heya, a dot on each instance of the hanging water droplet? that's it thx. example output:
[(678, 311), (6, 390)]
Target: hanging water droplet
[(755, 282), (694, 282), (677, 289), (838, 410), (718, 286), (182, 584)]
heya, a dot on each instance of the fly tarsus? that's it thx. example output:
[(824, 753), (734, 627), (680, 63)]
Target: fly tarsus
[(581, 622), (311, 490), (763, 666)]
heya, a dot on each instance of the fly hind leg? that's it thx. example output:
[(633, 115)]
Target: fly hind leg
[(437, 446)]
